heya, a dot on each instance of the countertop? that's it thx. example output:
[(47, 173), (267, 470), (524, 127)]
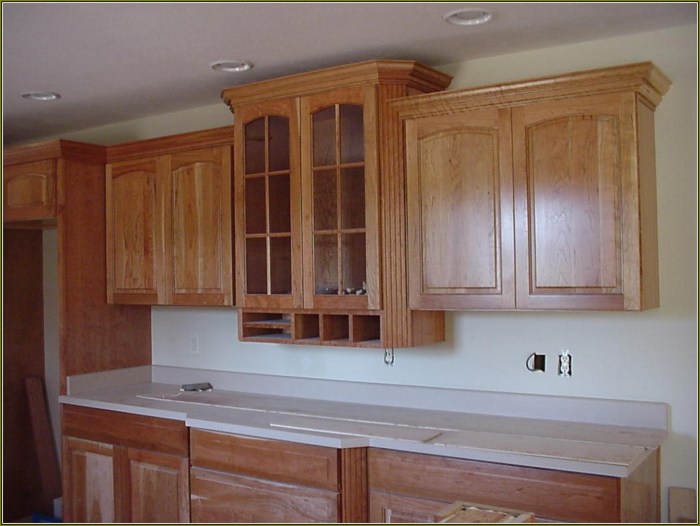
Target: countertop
[(578, 446)]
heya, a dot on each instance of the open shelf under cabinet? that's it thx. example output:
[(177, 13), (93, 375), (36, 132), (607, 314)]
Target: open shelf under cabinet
[(358, 329)]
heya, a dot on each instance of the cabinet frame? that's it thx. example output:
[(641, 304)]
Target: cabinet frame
[(637, 88), (383, 80)]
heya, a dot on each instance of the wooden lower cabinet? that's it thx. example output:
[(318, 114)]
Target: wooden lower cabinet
[(410, 487), (124, 468), (243, 479)]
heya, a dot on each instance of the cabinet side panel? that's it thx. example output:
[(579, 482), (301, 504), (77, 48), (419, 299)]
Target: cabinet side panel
[(403, 327), (639, 493), (646, 148), (94, 336)]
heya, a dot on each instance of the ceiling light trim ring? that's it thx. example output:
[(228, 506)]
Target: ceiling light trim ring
[(41, 95), (231, 66), (470, 16)]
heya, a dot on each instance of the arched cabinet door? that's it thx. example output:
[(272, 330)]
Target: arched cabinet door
[(29, 191), (574, 172), (198, 227), (134, 232), (460, 211)]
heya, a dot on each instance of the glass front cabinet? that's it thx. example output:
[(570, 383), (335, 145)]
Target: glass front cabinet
[(307, 190)]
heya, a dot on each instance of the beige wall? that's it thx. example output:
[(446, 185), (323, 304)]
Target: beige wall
[(640, 356)]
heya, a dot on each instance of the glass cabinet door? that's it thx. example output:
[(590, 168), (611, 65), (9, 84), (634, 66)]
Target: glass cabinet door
[(265, 188), (336, 231)]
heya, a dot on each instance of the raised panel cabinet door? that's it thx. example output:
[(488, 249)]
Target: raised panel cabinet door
[(198, 233), (267, 203), (460, 212), (90, 481), (157, 487), (134, 232), (340, 192), (29, 191), (573, 166), (227, 498)]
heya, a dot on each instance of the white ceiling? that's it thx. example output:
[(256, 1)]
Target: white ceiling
[(118, 61)]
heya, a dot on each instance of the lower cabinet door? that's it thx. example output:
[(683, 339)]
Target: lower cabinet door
[(157, 487), (89, 481), (223, 497)]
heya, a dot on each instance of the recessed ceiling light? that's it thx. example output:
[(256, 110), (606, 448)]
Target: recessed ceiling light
[(469, 16), (235, 66), (41, 95)]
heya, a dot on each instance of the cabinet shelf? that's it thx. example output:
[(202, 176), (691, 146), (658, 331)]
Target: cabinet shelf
[(312, 328)]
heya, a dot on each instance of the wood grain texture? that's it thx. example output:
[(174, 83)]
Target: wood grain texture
[(353, 485), (135, 202), (394, 508), (410, 73), (123, 429), (22, 357), (460, 195), (171, 144), (583, 188), (29, 191), (573, 201), (94, 336), (198, 264), (44, 445), (54, 149), (157, 487), (90, 477), (643, 78), (269, 459), (552, 495), (402, 327), (228, 498)]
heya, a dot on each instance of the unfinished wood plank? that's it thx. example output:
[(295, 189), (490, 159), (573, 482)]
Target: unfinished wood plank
[(43, 439)]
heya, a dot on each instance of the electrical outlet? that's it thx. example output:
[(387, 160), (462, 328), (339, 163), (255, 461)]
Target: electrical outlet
[(565, 363), (194, 345)]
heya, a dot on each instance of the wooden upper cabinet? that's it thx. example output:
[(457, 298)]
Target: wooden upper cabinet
[(315, 154), (460, 207), (29, 191), (535, 195), (169, 221)]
